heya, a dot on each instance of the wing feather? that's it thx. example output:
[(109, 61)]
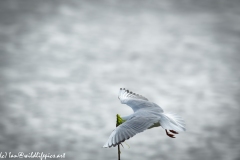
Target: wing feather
[(128, 129), (135, 101)]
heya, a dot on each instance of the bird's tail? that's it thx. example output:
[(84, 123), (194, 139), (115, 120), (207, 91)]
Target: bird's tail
[(172, 121)]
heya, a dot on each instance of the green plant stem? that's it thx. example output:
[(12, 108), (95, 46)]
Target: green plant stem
[(117, 124), (119, 152)]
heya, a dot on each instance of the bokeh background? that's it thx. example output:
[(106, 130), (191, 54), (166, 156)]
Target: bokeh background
[(62, 64)]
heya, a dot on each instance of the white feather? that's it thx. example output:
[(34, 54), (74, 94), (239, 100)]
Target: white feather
[(172, 122), (146, 115)]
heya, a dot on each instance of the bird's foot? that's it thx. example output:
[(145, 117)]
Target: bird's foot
[(173, 131), (171, 135)]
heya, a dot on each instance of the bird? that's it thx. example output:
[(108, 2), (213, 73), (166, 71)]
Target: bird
[(146, 115)]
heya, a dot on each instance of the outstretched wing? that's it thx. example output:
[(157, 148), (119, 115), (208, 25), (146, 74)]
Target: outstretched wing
[(128, 129), (135, 101)]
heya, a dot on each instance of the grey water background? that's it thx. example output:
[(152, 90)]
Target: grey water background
[(62, 64)]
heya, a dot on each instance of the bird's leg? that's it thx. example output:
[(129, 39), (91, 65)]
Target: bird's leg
[(173, 131), (170, 135)]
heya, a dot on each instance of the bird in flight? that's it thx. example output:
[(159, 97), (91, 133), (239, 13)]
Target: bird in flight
[(146, 116)]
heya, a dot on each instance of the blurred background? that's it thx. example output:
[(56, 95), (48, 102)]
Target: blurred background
[(62, 64)]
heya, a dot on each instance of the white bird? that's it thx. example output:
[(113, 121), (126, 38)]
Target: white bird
[(146, 115)]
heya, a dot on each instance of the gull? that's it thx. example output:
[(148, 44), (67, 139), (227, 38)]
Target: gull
[(146, 115)]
